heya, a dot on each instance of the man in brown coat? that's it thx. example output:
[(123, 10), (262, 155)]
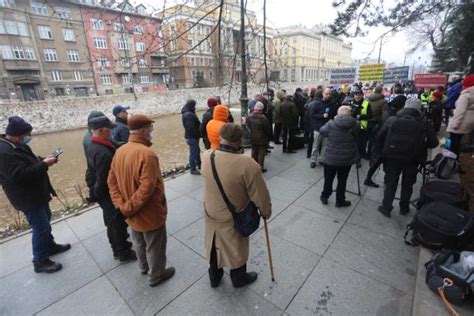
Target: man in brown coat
[(137, 189), (242, 181), (260, 134)]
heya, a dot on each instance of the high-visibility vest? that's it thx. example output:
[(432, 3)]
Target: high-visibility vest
[(365, 106), (425, 99)]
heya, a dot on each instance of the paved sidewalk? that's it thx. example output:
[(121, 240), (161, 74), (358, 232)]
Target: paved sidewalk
[(327, 261)]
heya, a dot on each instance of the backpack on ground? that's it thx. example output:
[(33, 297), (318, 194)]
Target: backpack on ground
[(444, 165), (445, 278), (405, 139), (439, 225), (443, 191)]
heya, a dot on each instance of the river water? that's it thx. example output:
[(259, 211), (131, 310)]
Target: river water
[(69, 172)]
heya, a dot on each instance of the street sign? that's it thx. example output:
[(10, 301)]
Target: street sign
[(371, 72), (342, 75), (431, 80), (396, 74)]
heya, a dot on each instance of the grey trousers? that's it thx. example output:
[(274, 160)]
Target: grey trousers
[(151, 252)]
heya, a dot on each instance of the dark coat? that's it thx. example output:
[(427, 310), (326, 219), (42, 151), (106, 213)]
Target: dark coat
[(289, 114), (318, 108), (120, 133), (191, 122), (260, 129), (431, 141), (300, 101), (341, 147), (23, 176), (206, 117), (99, 157), (377, 103)]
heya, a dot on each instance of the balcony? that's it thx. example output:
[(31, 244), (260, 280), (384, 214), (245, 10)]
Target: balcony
[(158, 53), (159, 69), (21, 65)]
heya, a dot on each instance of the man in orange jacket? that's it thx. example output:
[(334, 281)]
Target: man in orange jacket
[(219, 118)]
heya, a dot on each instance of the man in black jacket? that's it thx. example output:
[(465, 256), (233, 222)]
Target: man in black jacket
[(260, 134), (192, 134), (121, 132), (403, 141), (99, 156), (24, 179), (206, 117)]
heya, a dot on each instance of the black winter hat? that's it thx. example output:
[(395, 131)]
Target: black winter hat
[(17, 126)]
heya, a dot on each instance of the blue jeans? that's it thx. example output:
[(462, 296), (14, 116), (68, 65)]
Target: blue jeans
[(42, 240), (194, 153)]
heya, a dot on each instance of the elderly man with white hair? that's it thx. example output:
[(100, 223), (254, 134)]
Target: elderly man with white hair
[(340, 154)]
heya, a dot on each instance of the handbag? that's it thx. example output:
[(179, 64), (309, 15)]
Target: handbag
[(246, 221)]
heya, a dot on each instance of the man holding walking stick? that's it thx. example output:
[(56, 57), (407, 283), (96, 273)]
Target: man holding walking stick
[(241, 180)]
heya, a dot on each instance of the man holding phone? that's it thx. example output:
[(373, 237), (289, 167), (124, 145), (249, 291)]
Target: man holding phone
[(24, 179)]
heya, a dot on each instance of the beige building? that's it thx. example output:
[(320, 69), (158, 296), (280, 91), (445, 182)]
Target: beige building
[(194, 57), (43, 51), (302, 54)]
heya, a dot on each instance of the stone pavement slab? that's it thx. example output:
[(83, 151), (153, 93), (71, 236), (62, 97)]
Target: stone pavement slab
[(193, 237), (87, 224), (336, 290), (99, 249), (96, 298), (286, 190), (184, 183), (182, 212)]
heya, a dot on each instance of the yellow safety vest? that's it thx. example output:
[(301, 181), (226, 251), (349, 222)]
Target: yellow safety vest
[(365, 106), (425, 99)]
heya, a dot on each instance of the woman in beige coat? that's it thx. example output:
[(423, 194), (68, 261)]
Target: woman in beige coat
[(242, 181)]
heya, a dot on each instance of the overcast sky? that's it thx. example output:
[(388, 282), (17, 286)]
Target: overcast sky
[(281, 13)]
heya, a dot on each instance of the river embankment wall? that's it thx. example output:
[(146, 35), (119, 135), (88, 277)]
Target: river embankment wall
[(59, 114)]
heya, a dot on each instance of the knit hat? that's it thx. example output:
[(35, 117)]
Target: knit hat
[(232, 133), (99, 122), (413, 103), (437, 95), (17, 126), (221, 113), (211, 102), (468, 82), (259, 106), (139, 121)]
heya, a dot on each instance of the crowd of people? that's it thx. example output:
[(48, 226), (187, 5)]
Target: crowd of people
[(337, 128)]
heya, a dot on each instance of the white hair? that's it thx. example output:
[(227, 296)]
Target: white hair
[(344, 110)]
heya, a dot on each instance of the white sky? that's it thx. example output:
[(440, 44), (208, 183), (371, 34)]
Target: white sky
[(281, 13)]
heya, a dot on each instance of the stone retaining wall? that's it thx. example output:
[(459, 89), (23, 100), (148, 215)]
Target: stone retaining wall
[(56, 115)]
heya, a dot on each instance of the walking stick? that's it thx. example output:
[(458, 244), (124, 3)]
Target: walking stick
[(269, 249), (358, 181)]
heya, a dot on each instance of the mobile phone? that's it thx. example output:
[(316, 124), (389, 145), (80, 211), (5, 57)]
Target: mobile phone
[(58, 151)]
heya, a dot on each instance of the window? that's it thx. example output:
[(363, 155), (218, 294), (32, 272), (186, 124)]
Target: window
[(144, 79), (6, 52), (208, 30), (78, 75), (201, 61), (142, 63), (64, 13), (68, 35), (18, 52), (190, 44), (122, 44), (29, 53), (45, 32), (100, 42), (56, 75), (39, 8), (192, 62), (8, 4), (103, 61), (140, 46), (97, 24), (118, 27), (125, 79), (125, 62), (11, 27), (106, 79), (211, 75), (138, 29), (50, 54), (23, 29), (73, 55), (198, 29)]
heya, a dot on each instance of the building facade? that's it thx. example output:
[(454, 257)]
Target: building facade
[(302, 54)]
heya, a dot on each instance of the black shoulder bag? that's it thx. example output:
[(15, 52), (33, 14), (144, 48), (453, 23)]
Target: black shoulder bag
[(245, 222)]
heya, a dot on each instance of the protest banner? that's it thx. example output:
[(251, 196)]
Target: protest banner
[(371, 72), (395, 74), (342, 76), (431, 80)]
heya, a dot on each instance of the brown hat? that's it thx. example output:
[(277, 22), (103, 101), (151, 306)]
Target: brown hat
[(139, 121), (232, 133)]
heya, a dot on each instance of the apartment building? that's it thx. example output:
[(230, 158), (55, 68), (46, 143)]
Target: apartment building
[(43, 51), (302, 54)]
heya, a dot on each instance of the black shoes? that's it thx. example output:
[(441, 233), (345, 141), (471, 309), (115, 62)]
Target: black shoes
[(167, 274), (404, 211), (47, 266), (370, 183), (313, 165), (343, 203), (324, 200), (216, 278), (264, 170), (126, 256), (245, 279), (195, 172), (58, 248), (291, 152), (384, 211)]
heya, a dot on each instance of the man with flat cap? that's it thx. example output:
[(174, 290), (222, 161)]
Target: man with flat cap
[(24, 179), (99, 156), (137, 189), (120, 132), (242, 180)]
